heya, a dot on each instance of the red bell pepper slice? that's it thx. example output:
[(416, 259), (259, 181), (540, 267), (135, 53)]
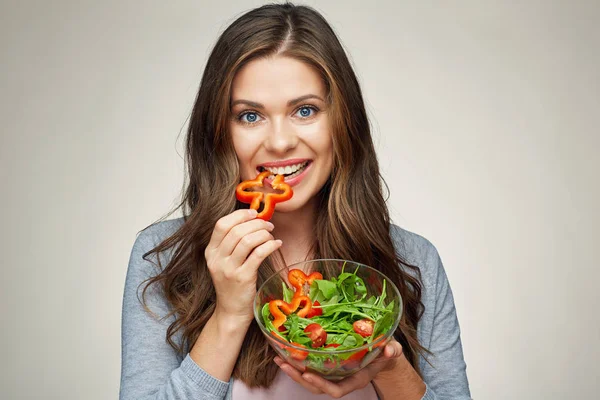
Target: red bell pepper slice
[(354, 360), (381, 344), (297, 354), (276, 307), (269, 199), (279, 309), (281, 346), (298, 279)]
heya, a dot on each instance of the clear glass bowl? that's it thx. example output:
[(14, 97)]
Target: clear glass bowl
[(328, 362)]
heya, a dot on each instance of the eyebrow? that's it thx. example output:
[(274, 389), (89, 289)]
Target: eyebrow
[(290, 103)]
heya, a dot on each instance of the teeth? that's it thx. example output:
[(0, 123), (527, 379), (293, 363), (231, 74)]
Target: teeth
[(289, 169)]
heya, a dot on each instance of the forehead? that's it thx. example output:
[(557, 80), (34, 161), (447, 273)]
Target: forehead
[(275, 80)]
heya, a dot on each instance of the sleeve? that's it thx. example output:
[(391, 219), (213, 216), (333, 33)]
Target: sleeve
[(446, 377), (150, 367)]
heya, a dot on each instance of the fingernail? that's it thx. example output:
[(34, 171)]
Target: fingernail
[(279, 241), (308, 378), (252, 212), (277, 361), (270, 226)]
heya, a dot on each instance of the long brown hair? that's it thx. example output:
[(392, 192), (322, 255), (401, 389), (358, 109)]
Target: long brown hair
[(352, 222)]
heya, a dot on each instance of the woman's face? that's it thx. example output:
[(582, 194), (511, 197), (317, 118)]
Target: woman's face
[(279, 122)]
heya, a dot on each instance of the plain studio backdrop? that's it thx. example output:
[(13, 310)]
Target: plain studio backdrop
[(485, 116)]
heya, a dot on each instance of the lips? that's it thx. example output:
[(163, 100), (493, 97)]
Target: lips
[(293, 170), (287, 170)]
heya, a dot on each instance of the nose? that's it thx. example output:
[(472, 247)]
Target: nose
[(281, 137)]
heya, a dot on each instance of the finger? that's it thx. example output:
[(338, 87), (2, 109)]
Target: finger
[(340, 388), (386, 360), (250, 266), (392, 350), (239, 232), (247, 244), (296, 375), (224, 225)]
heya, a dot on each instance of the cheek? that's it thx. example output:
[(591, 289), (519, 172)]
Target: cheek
[(245, 149), (322, 144), (318, 136)]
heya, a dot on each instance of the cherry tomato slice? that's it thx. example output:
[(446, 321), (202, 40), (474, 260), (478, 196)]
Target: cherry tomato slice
[(315, 312), (364, 327), (317, 334)]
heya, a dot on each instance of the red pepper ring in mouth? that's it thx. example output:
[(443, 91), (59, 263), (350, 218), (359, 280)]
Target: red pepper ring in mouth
[(269, 199)]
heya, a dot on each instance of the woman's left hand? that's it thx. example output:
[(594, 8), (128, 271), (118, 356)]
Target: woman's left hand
[(387, 361)]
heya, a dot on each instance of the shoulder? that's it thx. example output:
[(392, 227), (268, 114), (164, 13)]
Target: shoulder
[(148, 239), (416, 250), (151, 236)]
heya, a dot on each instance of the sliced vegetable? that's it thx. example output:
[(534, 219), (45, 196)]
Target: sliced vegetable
[(315, 312), (269, 199), (317, 334), (296, 301), (276, 307), (281, 346), (297, 354), (298, 279), (354, 360), (381, 344), (364, 327), (279, 309)]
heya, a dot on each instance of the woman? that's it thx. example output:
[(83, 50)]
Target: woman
[(278, 91)]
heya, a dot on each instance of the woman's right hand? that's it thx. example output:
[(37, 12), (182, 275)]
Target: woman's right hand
[(238, 245)]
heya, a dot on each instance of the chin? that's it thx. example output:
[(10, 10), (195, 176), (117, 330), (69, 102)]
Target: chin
[(290, 206)]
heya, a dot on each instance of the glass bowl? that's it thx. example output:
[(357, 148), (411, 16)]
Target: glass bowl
[(348, 292)]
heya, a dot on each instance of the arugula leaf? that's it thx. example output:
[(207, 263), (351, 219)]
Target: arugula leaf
[(334, 300), (344, 325), (327, 288), (266, 314), (287, 293), (383, 294), (390, 307), (353, 340), (383, 324), (350, 284)]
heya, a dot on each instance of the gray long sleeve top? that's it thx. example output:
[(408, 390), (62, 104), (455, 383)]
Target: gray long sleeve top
[(152, 369)]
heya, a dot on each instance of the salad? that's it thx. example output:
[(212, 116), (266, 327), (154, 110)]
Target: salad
[(328, 315)]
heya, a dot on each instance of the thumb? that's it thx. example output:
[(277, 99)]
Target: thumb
[(392, 350)]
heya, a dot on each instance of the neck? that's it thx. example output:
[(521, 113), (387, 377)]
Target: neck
[(296, 230)]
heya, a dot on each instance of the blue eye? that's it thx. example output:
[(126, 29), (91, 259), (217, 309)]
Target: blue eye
[(306, 111), (249, 118)]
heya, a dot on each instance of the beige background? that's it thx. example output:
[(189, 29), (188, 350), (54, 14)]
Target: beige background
[(486, 117)]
